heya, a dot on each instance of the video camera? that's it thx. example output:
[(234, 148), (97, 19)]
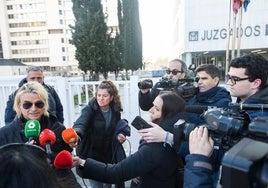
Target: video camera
[(245, 163), (184, 86)]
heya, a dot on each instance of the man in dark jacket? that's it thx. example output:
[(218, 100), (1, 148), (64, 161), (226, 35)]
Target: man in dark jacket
[(177, 69), (35, 73), (210, 94), (247, 78)]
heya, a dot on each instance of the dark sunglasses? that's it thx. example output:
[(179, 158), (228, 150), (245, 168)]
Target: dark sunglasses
[(234, 79), (174, 72), (28, 105)]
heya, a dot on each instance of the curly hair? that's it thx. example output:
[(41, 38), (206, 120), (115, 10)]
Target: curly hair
[(112, 90), (256, 67)]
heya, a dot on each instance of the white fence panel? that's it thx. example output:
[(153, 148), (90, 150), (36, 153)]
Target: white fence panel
[(67, 88)]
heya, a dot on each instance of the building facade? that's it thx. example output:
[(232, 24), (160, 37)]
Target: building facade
[(201, 28)]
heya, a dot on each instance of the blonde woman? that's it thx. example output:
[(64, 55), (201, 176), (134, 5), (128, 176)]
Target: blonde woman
[(31, 103)]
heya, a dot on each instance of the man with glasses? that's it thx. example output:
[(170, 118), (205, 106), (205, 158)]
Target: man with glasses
[(210, 94), (247, 79), (35, 73), (177, 70)]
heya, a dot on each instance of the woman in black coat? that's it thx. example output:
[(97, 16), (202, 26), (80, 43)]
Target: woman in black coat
[(154, 163), (31, 103), (101, 129)]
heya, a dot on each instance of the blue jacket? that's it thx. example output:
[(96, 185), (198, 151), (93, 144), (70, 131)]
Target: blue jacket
[(198, 172), (217, 97), (260, 97), (55, 106)]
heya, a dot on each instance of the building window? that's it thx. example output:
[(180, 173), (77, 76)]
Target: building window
[(9, 7)]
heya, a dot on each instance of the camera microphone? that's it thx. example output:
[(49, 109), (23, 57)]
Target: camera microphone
[(32, 129), (47, 138)]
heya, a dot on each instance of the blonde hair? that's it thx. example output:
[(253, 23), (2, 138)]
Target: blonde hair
[(112, 90), (31, 87)]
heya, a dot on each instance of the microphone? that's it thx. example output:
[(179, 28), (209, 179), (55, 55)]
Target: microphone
[(63, 160), (32, 129), (46, 139), (69, 135)]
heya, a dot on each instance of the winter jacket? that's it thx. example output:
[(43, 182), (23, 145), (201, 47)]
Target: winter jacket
[(55, 106), (154, 163), (216, 96), (146, 99), (198, 172), (260, 97), (14, 133), (91, 126)]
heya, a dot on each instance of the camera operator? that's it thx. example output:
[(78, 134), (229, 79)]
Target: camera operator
[(247, 78), (177, 69), (210, 94)]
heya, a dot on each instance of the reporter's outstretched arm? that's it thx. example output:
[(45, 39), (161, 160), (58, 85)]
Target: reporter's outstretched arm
[(198, 170)]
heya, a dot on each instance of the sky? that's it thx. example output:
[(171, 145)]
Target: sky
[(155, 18)]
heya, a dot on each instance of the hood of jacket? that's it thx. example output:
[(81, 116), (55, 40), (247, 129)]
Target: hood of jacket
[(260, 97)]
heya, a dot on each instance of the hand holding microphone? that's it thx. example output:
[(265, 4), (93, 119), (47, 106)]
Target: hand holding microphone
[(63, 160), (32, 130), (47, 138), (70, 137)]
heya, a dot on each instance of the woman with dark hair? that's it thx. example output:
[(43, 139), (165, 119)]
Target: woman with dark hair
[(25, 165), (154, 163), (101, 129)]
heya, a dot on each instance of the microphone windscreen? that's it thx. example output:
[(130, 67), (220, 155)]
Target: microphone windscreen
[(47, 136), (63, 160), (32, 128), (69, 135)]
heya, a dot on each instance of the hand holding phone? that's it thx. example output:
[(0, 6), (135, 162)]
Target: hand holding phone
[(140, 123)]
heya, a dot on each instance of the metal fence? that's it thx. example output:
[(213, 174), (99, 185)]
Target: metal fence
[(75, 94)]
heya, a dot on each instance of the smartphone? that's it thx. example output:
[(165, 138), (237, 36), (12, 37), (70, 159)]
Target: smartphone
[(140, 123)]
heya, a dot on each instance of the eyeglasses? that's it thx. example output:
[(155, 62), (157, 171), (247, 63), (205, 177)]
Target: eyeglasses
[(234, 79), (28, 105), (174, 72)]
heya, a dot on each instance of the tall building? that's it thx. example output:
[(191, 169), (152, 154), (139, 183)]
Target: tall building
[(36, 32)]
